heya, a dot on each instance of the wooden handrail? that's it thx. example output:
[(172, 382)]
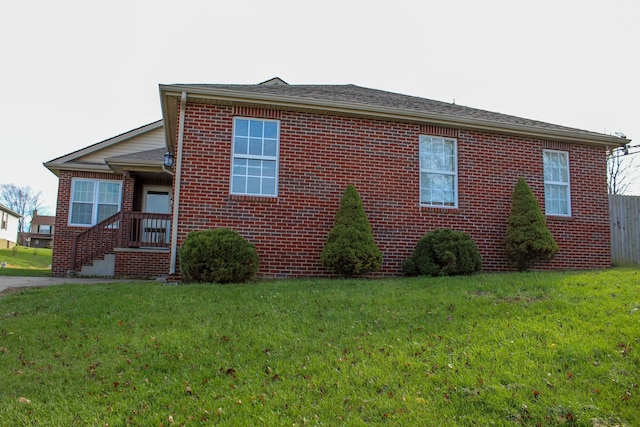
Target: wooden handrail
[(124, 230), (144, 229)]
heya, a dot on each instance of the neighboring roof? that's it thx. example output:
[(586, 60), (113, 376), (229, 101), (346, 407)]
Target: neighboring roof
[(43, 220), (10, 212), (72, 161), (355, 100)]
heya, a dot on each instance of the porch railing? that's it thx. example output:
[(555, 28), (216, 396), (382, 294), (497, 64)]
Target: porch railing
[(122, 230)]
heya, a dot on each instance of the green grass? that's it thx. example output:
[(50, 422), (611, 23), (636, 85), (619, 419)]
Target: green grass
[(492, 349), (23, 261)]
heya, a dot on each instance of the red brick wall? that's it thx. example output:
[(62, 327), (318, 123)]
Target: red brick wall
[(141, 263), (584, 238), (321, 154)]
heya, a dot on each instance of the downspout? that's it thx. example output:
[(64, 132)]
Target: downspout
[(176, 189)]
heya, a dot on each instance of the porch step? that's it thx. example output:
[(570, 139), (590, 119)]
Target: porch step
[(101, 267)]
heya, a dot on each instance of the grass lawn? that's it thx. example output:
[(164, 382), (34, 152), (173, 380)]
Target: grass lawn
[(492, 349), (23, 261)]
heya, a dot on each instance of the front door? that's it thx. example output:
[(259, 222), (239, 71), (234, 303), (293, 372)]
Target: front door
[(156, 200)]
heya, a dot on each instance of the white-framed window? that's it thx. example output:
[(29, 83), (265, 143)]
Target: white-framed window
[(93, 200), (254, 168), (438, 171), (557, 194)]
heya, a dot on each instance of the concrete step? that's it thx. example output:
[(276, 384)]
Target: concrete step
[(100, 268)]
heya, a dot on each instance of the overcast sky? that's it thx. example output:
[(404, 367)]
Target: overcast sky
[(78, 72)]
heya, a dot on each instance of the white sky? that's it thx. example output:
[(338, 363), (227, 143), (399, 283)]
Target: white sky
[(78, 72)]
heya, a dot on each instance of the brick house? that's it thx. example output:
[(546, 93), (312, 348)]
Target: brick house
[(272, 160), (41, 231)]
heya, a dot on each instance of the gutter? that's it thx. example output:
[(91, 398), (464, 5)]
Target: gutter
[(170, 172), (55, 168), (176, 186)]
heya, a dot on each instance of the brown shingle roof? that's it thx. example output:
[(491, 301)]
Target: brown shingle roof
[(43, 220), (357, 95)]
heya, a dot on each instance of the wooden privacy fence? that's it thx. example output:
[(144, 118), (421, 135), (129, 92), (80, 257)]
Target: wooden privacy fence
[(624, 213)]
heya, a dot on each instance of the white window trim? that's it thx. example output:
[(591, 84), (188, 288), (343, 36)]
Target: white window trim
[(559, 183), (94, 214), (275, 158), (160, 188), (454, 173)]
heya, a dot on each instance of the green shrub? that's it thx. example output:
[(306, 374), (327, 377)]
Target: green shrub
[(409, 267), (219, 256), (350, 249), (444, 252), (528, 240)]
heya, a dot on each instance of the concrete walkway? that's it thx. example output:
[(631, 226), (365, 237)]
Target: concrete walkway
[(7, 282)]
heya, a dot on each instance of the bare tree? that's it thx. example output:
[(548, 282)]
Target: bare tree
[(22, 200), (620, 168)]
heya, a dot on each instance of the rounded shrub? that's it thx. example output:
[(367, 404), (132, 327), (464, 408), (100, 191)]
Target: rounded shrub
[(444, 252), (219, 256), (350, 249)]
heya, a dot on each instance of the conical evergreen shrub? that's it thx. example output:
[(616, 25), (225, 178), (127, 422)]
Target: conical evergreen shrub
[(350, 249), (528, 240)]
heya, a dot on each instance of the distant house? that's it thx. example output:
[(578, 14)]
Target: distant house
[(41, 232), (272, 160), (8, 227)]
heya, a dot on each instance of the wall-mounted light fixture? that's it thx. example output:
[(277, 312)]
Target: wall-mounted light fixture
[(168, 159)]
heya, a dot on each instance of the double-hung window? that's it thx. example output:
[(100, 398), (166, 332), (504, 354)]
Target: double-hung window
[(438, 171), (254, 169), (557, 195), (93, 200)]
